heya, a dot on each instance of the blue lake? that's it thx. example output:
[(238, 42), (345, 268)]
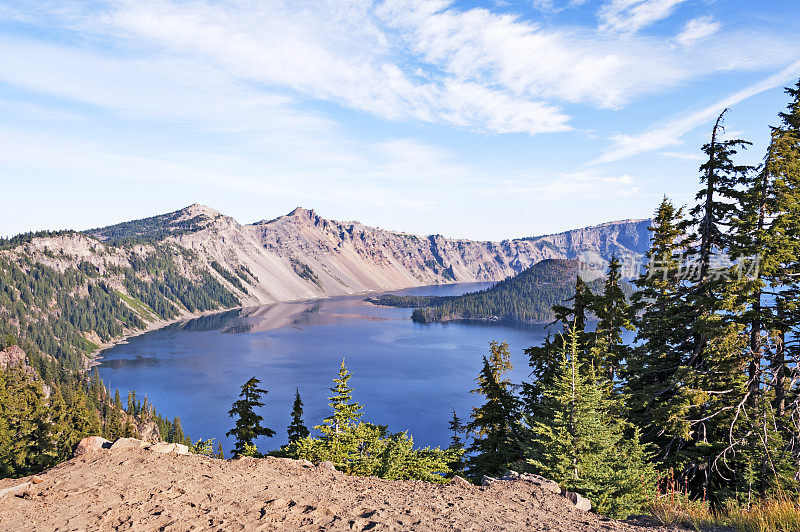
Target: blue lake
[(409, 376)]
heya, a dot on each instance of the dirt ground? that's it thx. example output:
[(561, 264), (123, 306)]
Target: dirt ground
[(138, 489)]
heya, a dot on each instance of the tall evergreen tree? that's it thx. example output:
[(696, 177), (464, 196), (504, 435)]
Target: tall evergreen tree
[(248, 424), (766, 242), (297, 428), (494, 426), (614, 316), (346, 413), (701, 344), (579, 440), (458, 428), (543, 359), (652, 369)]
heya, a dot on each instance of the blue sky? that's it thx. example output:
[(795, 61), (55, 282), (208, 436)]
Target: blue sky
[(485, 120)]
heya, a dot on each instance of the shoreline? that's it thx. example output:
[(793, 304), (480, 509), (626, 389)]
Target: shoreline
[(95, 357)]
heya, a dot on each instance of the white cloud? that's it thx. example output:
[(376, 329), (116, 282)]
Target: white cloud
[(697, 29), (398, 60), (630, 16), (686, 156), (333, 53), (670, 133), (555, 6)]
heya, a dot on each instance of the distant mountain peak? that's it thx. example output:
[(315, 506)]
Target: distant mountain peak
[(300, 212), (197, 209)]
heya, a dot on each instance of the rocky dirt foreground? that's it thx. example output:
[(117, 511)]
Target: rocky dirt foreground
[(137, 486)]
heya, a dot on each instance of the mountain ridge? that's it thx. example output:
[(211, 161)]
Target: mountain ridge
[(176, 265), (301, 255)]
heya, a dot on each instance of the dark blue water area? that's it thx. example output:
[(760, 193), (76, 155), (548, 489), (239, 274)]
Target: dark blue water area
[(409, 376)]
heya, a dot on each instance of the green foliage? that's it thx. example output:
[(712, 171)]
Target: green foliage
[(228, 276), (38, 431), (248, 423), (614, 316), (150, 230), (458, 428), (297, 429), (528, 297), (25, 238), (579, 440), (346, 413), (203, 447), (244, 272), (495, 427), (53, 311), (305, 272), (360, 448)]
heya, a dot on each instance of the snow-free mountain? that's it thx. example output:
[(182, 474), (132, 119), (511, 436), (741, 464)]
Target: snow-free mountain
[(302, 255)]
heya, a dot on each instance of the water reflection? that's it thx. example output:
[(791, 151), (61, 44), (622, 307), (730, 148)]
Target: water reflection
[(408, 375)]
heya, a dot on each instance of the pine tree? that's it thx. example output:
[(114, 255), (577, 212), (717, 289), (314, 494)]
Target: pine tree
[(543, 359), (220, 453), (175, 434), (579, 440), (297, 428), (113, 428), (345, 412), (129, 429), (458, 428), (693, 370), (765, 241), (652, 366), (495, 424), (614, 316), (248, 423)]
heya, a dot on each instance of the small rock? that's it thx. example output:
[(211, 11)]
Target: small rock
[(15, 490), (170, 448), (460, 481), (90, 444), (580, 502), (510, 475), (36, 479), (128, 443), (304, 463), (486, 480), (327, 464), (544, 483)]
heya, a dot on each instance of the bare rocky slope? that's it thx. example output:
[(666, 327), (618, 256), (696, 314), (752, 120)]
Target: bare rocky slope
[(302, 255), (116, 281), (129, 487)]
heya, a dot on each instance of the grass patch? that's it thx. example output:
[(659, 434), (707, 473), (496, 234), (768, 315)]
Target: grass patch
[(89, 346), (141, 308), (780, 514), (304, 272)]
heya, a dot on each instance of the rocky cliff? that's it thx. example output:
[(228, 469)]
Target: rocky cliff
[(72, 293), (302, 255)]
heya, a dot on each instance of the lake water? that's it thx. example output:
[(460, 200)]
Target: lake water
[(409, 376)]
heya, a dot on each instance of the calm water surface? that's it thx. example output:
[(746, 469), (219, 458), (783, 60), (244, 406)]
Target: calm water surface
[(408, 375)]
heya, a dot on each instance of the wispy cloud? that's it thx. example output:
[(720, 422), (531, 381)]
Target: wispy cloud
[(630, 16), (554, 6), (698, 29), (670, 133), (686, 156), (400, 60)]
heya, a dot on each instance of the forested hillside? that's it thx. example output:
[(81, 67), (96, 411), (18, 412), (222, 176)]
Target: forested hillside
[(525, 298), (65, 302)]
